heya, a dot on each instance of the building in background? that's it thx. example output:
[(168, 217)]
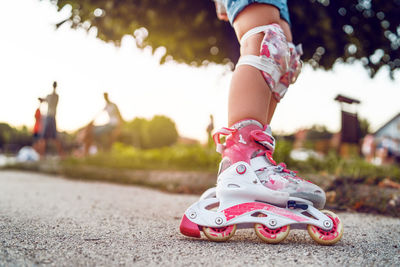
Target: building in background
[(387, 141)]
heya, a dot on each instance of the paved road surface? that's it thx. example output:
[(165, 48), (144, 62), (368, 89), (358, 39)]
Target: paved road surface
[(49, 220)]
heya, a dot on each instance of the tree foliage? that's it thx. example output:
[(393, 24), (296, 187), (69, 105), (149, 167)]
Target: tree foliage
[(158, 132), (365, 127), (12, 139), (331, 31)]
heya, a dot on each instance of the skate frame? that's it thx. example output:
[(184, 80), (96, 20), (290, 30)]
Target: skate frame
[(297, 213)]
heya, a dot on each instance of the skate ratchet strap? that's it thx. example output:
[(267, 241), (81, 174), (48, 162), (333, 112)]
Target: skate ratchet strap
[(264, 138), (217, 139)]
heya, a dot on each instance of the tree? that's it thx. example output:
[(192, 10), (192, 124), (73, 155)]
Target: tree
[(331, 31), (5, 134), (133, 132), (365, 127), (318, 132), (12, 139), (160, 131)]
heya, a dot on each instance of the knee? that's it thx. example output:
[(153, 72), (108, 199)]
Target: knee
[(251, 46), (274, 34)]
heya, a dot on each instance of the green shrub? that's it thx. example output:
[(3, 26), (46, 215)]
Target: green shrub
[(282, 152), (353, 168), (178, 157), (158, 132)]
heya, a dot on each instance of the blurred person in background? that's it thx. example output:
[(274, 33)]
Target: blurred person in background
[(38, 126), (111, 130), (368, 148), (49, 126)]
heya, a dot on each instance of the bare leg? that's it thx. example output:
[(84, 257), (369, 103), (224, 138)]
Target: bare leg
[(271, 109), (42, 147), (250, 96), (36, 146), (59, 147), (87, 138), (86, 146)]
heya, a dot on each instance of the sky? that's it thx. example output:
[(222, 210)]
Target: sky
[(33, 54)]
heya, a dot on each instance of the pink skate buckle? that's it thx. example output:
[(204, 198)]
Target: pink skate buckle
[(189, 228)]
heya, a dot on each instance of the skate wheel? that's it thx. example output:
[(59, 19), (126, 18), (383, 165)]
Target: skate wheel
[(219, 234), (327, 237), (272, 236)]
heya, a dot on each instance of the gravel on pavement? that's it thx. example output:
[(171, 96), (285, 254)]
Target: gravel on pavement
[(49, 220)]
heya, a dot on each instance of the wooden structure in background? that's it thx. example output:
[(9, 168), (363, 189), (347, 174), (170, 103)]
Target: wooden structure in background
[(350, 133)]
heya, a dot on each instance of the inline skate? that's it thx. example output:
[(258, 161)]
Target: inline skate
[(253, 191)]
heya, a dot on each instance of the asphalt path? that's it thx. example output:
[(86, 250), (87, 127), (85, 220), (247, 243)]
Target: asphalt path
[(49, 220)]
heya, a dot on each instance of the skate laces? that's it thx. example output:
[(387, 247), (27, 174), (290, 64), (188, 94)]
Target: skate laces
[(217, 137), (281, 167), (260, 136)]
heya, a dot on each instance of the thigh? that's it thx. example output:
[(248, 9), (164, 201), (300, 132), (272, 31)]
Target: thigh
[(255, 15)]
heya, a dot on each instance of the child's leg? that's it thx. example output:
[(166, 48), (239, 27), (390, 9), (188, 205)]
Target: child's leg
[(250, 96), (265, 65)]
